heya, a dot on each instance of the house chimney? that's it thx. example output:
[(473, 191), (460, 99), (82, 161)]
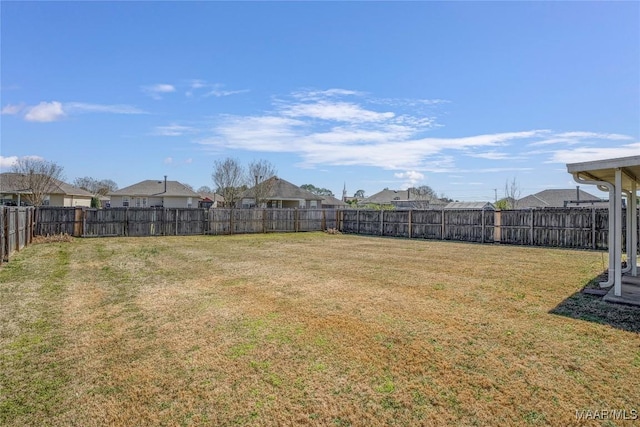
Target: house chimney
[(578, 193), (165, 183)]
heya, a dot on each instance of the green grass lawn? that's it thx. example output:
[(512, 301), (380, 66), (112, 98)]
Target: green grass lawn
[(309, 329)]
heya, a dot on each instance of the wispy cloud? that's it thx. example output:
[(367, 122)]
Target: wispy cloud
[(575, 138), (168, 160), (11, 109), (202, 88), (218, 92), (173, 130), (81, 107), (158, 90), (343, 127), (586, 154), (55, 110)]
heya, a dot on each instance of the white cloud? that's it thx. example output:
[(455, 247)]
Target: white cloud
[(173, 130), (593, 135), (7, 162), (45, 112), (168, 160), (336, 111), (156, 91), (575, 138), (323, 129), (217, 92), (12, 109), (411, 178), (82, 107), (587, 154)]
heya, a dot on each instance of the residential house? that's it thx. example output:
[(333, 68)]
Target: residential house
[(210, 200), (155, 193), (330, 202), (281, 194), (402, 199), (560, 198), (59, 193)]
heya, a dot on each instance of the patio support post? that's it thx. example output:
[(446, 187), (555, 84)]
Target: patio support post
[(633, 207), (629, 228), (617, 283), (612, 208)]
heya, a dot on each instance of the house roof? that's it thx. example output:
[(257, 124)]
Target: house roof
[(332, 201), (555, 198), (469, 205), (14, 183), (283, 190), (152, 187), (387, 197), (213, 197)]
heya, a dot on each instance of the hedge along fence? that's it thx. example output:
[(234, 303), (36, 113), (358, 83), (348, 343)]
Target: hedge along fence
[(580, 228), (16, 230)]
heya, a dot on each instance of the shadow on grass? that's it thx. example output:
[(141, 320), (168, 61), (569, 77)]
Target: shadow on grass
[(593, 308)]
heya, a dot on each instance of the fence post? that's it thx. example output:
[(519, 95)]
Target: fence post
[(296, 220), (358, 221), (339, 220), (442, 225), (483, 222), (382, 222), (323, 224), (264, 220), (497, 226), (176, 221), (533, 212), (594, 244), (410, 220)]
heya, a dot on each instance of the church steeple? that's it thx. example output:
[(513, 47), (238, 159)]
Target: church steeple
[(344, 192)]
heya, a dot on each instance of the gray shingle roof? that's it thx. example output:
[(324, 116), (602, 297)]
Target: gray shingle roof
[(332, 201), (555, 198), (282, 189), (152, 187), (14, 182), (386, 197)]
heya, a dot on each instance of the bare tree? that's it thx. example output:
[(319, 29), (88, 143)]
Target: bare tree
[(359, 194), (36, 178), (512, 193), (229, 177), (94, 186), (260, 173), (205, 189)]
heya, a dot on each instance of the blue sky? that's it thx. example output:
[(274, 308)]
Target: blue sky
[(460, 96)]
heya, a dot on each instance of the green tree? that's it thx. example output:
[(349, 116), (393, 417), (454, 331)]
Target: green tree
[(317, 190)]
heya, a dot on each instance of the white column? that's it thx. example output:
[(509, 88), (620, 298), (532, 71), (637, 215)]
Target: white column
[(633, 210), (627, 249), (617, 256)]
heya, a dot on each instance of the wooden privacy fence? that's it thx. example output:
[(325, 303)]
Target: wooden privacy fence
[(580, 228), (112, 222), (16, 230)]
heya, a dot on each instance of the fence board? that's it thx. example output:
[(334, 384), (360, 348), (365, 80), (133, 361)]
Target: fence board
[(584, 228), (16, 230)]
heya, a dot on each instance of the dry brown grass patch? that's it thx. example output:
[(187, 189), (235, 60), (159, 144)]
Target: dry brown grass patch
[(314, 329)]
